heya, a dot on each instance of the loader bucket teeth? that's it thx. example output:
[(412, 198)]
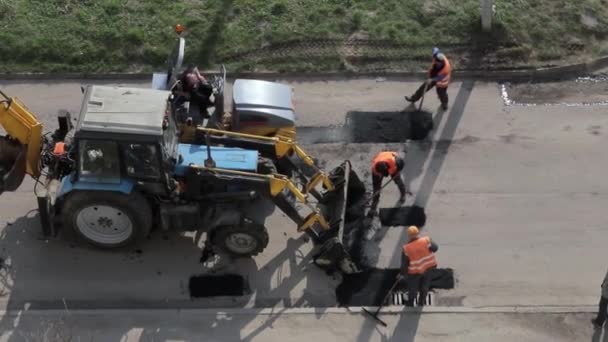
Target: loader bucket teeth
[(333, 252), (12, 164)]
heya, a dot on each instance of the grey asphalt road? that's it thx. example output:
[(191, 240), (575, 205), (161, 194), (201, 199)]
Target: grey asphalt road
[(147, 326), (514, 197)]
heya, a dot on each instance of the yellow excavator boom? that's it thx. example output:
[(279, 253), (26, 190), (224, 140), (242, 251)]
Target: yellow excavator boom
[(283, 146), (22, 126)]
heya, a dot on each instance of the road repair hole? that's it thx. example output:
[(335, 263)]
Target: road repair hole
[(372, 127), (217, 285), (370, 287), (583, 91), (403, 216)]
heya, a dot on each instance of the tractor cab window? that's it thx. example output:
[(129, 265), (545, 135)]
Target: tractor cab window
[(99, 159), (142, 160)]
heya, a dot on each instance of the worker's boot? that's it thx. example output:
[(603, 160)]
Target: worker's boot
[(410, 99), (422, 298)]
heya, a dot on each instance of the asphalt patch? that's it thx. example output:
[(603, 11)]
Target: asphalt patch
[(367, 288), (217, 285), (371, 127), (370, 287), (403, 216)]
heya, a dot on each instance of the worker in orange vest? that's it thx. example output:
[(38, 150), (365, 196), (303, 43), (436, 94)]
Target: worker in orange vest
[(386, 164), (417, 259), (439, 76)]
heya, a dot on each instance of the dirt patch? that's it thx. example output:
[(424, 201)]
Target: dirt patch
[(583, 91), (213, 286), (371, 127), (403, 216), (595, 130)]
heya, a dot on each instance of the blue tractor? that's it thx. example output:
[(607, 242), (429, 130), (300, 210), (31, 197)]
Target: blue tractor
[(122, 171)]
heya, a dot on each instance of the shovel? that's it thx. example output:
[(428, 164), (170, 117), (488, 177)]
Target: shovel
[(375, 314), (426, 85)]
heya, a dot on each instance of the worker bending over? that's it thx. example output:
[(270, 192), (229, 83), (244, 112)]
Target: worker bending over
[(417, 259), (386, 164), (439, 76)]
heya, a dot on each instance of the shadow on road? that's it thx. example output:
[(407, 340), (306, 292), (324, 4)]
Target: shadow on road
[(597, 335), (433, 154), (62, 274), (214, 34)]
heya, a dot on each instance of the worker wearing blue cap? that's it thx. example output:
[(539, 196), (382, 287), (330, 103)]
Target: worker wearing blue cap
[(439, 77)]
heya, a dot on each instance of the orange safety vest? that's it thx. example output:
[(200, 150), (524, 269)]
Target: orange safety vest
[(446, 71), (388, 157), (421, 257)]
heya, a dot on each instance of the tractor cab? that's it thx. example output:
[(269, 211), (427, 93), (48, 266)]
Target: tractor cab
[(126, 137), (123, 137)]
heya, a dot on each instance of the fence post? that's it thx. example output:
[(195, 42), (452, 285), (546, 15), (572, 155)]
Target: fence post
[(486, 14)]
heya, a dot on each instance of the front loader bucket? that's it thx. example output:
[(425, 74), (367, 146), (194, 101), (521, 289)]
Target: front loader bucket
[(13, 156), (334, 253)]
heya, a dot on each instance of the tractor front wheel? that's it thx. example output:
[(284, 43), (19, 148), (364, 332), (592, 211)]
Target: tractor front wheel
[(107, 219), (244, 240)]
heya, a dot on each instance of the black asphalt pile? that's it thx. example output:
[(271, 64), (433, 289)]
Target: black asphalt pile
[(220, 285), (372, 127), (369, 288), (403, 216)]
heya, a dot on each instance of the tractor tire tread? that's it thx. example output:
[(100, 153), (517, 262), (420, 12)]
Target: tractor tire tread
[(134, 204)]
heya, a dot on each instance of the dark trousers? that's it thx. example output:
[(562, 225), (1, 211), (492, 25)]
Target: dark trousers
[(201, 95), (442, 93), (377, 185), (418, 285), (603, 309)]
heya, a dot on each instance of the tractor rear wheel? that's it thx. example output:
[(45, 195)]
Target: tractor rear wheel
[(244, 240), (107, 219)]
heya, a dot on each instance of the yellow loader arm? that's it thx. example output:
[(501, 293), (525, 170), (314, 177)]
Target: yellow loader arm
[(20, 148), (283, 146)]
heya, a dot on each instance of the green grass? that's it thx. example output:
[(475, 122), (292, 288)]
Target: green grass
[(136, 35)]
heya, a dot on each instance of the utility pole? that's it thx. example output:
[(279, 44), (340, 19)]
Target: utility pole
[(487, 12)]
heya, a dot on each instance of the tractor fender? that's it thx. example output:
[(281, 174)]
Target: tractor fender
[(224, 217), (124, 186)]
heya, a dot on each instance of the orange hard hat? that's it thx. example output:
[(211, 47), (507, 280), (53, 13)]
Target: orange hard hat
[(179, 28), (412, 231)]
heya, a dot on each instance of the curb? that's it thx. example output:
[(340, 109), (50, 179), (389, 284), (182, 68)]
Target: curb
[(390, 310), (514, 75)]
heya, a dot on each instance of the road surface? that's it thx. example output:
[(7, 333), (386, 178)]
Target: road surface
[(514, 196)]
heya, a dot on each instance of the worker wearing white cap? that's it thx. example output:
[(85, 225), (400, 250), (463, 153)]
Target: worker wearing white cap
[(439, 77)]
